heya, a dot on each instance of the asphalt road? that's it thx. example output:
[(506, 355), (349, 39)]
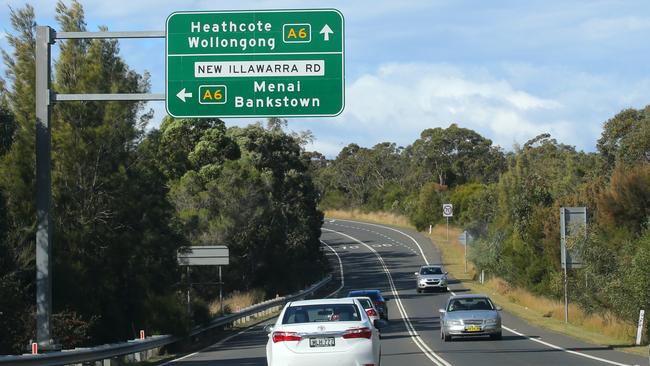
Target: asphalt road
[(376, 256)]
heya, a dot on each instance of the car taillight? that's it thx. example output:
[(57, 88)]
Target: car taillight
[(371, 312), (379, 303), (285, 337), (357, 333)]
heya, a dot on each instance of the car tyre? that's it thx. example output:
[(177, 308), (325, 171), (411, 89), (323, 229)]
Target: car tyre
[(447, 338), (496, 336), (419, 290)]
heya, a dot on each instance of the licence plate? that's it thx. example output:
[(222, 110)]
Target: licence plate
[(321, 342), (473, 328)]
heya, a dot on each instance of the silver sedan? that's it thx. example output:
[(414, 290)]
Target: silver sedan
[(470, 315)]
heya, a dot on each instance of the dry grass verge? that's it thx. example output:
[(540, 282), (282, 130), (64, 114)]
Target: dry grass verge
[(237, 300), (541, 311), (376, 217)]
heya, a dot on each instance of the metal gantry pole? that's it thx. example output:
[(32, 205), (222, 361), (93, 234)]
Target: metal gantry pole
[(220, 291), (44, 41), (565, 262), (189, 286)]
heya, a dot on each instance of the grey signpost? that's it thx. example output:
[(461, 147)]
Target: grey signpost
[(447, 212), (573, 221), (465, 238)]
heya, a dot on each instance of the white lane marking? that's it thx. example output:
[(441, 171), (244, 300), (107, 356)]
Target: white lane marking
[(403, 233), (210, 346), (558, 347), (341, 268), (427, 351), (564, 349)]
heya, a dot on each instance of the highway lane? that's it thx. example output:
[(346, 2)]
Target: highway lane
[(367, 253)]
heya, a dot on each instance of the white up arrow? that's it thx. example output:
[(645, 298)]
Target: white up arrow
[(182, 95), (326, 31)]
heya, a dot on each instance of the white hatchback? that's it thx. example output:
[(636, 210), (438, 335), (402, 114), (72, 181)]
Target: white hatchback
[(324, 332)]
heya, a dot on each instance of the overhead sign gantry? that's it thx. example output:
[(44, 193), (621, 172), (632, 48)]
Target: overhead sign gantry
[(259, 63)]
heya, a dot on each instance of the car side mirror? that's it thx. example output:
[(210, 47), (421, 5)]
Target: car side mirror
[(446, 273), (499, 308), (380, 323), (268, 328), (442, 311)]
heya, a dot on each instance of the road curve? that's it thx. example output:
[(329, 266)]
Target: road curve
[(378, 256)]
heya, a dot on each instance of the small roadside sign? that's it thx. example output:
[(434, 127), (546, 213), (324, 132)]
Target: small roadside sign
[(216, 255), (447, 210), (462, 238), (573, 222)]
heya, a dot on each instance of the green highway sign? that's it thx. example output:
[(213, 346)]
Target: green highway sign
[(261, 63)]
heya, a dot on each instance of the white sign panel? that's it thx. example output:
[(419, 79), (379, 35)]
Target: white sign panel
[(212, 69), (447, 210), (217, 255)]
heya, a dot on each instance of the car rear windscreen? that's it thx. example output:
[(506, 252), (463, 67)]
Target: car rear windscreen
[(321, 313), (365, 303)]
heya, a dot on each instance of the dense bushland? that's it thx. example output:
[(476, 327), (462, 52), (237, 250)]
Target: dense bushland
[(126, 198), (510, 201)]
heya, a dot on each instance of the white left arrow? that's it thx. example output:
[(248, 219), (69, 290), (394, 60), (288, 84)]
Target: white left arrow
[(326, 31), (182, 95)]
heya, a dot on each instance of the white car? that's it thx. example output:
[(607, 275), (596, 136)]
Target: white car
[(323, 332), (369, 307)]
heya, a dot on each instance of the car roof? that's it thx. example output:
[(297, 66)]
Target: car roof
[(364, 292), (361, 298), (468, 296), (343, 300)]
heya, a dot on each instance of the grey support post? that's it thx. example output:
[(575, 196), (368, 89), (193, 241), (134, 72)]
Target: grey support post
[(45, 97), (44, 41)]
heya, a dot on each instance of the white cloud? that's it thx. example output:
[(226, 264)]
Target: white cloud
[(400, 100)]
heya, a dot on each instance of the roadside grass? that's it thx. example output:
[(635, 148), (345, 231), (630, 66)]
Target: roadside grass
[(236, 300), (604, 329), (375, 217)]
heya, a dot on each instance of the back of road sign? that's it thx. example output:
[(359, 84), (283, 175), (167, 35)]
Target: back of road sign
[(262, 63)]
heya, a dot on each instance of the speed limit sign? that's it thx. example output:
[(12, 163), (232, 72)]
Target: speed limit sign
[(447, 210)]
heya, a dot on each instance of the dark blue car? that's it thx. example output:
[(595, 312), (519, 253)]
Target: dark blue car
[(377, 299)]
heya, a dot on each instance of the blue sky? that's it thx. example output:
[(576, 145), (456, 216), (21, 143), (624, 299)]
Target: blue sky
[(507, 69)]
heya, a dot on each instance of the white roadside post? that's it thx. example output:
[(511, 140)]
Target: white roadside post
[(639, 331)]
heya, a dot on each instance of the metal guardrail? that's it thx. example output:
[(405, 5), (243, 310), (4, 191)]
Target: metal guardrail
[(135, 348)]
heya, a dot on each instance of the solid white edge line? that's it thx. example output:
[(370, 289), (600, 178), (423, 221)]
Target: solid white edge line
[(340, 267), (212, 345), (426, 350), (564, 349), (390, 228)]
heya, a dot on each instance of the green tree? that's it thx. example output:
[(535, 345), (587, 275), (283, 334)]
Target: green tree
[(626, 138), (455, 155), (17, 187)]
